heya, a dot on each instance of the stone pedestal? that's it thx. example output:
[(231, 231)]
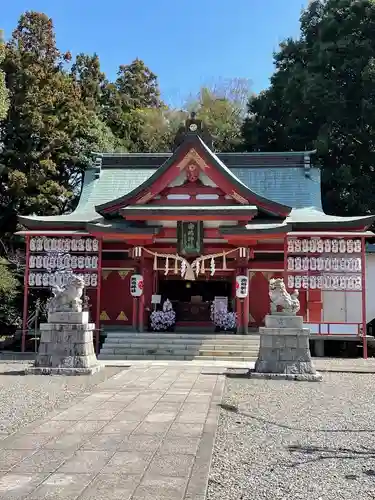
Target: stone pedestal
[(66, 348), (284, 351)]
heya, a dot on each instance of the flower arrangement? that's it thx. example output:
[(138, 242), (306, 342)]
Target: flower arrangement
[(222, 318), (164, 319)]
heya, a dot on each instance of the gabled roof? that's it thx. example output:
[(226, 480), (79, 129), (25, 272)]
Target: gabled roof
[(195, 143)]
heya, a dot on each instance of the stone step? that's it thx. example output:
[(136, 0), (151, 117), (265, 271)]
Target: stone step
[(144, 357), (172, 336), (126, 350), (180, 345), (225, 358), (229, 354)]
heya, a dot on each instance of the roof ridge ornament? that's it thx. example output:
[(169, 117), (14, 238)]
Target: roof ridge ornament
[(193, 126), (98, 166)]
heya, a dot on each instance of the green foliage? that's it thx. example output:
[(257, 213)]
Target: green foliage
[(50, 130), (9, 292), (322, 96), (4, 100)]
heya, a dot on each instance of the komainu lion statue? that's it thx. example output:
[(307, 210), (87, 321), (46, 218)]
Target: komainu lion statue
[(67, 298), (288, 303)]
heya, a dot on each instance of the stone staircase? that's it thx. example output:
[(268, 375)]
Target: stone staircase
[(122, 345)]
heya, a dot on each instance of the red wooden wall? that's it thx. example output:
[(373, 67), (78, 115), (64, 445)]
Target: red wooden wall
[(116, 304), (259, 302)]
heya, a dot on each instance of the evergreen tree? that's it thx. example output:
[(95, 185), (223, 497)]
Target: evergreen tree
[(4, 101), (322, 96), (49, 133)]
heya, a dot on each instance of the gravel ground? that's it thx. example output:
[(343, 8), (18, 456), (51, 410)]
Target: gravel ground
[(296, 440), (24, 399)]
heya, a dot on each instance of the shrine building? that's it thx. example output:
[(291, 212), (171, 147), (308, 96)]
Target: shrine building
[(191, 221)]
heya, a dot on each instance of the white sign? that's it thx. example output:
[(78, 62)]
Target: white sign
[(155, 299)]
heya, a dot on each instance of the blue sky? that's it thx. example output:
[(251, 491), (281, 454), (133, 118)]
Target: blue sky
[(186, 43)]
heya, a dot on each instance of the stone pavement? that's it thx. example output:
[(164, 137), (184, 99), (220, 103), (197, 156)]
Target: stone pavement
[(145, 434)]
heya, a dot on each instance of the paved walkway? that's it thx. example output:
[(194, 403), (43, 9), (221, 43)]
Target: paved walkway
[(145, 434)]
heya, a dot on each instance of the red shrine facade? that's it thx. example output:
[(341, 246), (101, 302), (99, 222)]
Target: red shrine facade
[(190, 222)]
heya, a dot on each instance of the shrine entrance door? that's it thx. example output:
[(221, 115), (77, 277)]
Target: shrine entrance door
[(192, 299)]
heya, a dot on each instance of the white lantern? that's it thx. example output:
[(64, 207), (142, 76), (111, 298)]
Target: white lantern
[(305, 263), (358, 283), (87, 279), (342, 282), (357, 246), (342, 246), (54, 245), (297, 246), (335, 282), (60, 245), (290, 245), (32, 279), (313, 263), (290, 281), (320, 246), (73, 245), (343, 264), (47, 244), (327, 264), (94, 280), (242, 286), (357, 264), (136, 285), (319, 282), (74, 262), (335, 246), (320, 263), (305, 282), (81, 245), (335, 264), (312, 245), (350, 246), (297, 281), (39, 262), (38, 279), (95, 245), (33, 244), (67, 245), (305, 246), (45, 262), (32, 261), (39, 244), (88, 245), (327, 246), (81, 262), (94, 262), (298, 264)]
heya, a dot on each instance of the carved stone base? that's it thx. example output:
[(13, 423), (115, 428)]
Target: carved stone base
[(33, 370), (284, 351), (65, 349), (79, 318)]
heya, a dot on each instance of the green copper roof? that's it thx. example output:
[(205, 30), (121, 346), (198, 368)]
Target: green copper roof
[(286, 178)]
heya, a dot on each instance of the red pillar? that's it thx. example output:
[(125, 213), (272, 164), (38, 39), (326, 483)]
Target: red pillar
[(246, 306), (25, 295), (98, 295), (363, 295)]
